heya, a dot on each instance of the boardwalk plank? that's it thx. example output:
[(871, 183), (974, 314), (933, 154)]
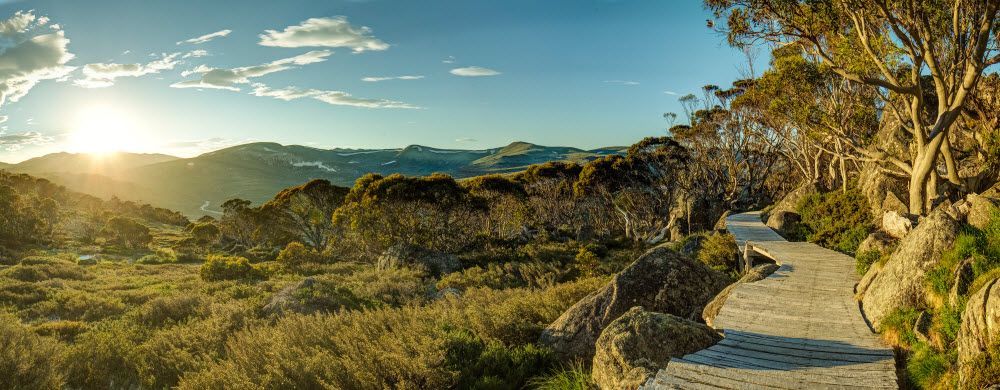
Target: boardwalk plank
[(798, 328)]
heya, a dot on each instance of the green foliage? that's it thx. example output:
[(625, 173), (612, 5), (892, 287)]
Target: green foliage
[(295, 256), (28, 361), (837, 220), (491, 365), (984, 370), (864, 260), (925, 366), (206, 233), (159, 256), (574, 376), (219, 267), (126, 232), (36, 269), (719, 251), (532, 274)]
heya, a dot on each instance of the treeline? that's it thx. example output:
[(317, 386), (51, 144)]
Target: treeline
[(35, 211)]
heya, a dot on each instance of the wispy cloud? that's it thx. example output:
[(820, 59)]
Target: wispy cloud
[(14, 142), (324, 32), (33, 50), (336, 98), (377, 79), (195, 53), (206, 37), (449, 60), (621, 82), (466, 140), (474, 71), (100, 75), (672, 93), (216, 78)]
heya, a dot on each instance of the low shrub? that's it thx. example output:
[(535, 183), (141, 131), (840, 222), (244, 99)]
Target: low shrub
[(295, 256), (220, 267), (159, 256), (491, 365), (36, 269), (864, 260), (719, 251), (61, 329), (27, 360), (838, 220)]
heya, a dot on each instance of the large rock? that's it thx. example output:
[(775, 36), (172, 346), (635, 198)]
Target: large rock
[(866, 280), (980, 322), (893, 203), (981, 207), (408, 256), (791, 201), (900, 282), (639, 343), (877, 241), (895, 224), (661, 280), (783, 221), (755, 274), (980, 325)]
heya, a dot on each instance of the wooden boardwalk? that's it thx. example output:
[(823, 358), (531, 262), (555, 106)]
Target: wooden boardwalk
[(799, 328)]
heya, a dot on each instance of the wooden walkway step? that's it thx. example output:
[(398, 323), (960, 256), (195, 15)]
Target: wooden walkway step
[(799, 328)]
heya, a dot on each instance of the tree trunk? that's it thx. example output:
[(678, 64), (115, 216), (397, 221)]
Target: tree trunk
[(923, 169)]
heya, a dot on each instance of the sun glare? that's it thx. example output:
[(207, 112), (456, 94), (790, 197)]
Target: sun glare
[(104, 129)]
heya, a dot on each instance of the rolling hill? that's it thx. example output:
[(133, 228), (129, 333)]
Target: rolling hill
[(256, 171)]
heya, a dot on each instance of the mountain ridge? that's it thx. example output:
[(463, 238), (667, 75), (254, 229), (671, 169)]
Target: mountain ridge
[(256, 171)]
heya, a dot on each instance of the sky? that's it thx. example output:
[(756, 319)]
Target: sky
[(186, 77)]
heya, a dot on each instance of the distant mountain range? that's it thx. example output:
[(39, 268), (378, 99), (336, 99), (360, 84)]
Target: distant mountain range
[(256, 171)]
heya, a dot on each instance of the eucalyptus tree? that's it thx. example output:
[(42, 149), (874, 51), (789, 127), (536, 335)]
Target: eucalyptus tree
[(924, 57)]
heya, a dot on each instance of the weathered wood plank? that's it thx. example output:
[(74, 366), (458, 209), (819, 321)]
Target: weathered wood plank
[(798, 328)]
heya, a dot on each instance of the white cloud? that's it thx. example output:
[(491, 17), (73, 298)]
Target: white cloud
[(216, 78), (672, 93), (621, 82), (14, 142), (206, 37), (196, 53), (449, 60), (337, 98), (474, 71), (30, 54), (466, 139), (324, 32), (101, 75), (377, 79)]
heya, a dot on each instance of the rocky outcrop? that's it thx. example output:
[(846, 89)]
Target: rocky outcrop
[(980, 326), (661, 280), (791, 201), (980, 322), (877, 241), (406, 255), (981, 207), (962, 278), (900, 282), (783, 222), (895, 224), (866, 281), (892, 203), (636, 345), (755, 274)]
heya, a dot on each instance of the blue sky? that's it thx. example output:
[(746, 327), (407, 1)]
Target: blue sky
[(584, 73)]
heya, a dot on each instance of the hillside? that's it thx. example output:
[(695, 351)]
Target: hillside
[(256, 171)]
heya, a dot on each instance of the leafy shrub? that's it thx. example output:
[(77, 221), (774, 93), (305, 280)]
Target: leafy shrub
[(100, 357), (507, 275), (838, 220), (864, 260), (206, 233), (60, 329), (491, 365), (587, 262), (126, 232), (719, 251), (295, 255), (27, 360), (159, 256), (36, 269), (167, 310), (21, 294), (219, 267)]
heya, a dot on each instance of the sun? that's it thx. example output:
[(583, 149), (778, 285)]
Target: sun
[(104, 129)]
